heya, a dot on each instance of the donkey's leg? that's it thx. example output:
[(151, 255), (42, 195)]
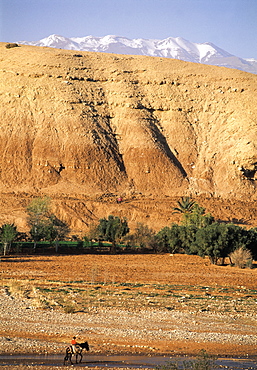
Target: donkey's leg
[(71, 359), (77, 355), (81, 356), (67, 358)]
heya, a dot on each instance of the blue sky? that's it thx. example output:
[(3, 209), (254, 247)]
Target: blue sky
[(229, 24)]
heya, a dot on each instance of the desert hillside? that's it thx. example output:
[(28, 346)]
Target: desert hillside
[(86, 127)]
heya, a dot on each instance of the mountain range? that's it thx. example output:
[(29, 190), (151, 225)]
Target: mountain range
[(171, 47)]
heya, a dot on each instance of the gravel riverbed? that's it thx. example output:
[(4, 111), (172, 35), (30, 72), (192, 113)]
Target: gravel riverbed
[(25, 329), (125, 305)]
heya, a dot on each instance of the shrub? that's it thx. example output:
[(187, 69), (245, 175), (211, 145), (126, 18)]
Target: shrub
[(69, 308), (143, 236), (241, 257), (204, 361), (11, 45)]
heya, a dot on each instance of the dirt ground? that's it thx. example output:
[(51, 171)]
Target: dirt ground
[(175, 304)]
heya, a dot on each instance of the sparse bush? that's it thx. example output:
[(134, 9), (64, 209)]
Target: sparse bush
[(69, 308), (241, 257), (143, 237), (204, 361), (91, 236), (16, 288), (11, 45), (41, 303)]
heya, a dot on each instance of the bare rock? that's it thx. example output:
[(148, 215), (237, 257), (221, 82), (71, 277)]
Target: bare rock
[(103, 123)]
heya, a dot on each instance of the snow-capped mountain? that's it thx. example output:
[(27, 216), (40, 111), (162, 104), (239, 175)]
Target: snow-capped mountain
[(172, 47)]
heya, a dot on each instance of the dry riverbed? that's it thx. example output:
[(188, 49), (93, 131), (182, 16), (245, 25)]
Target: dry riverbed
[(140, 304)]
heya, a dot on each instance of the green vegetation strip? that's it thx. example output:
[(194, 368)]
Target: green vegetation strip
[(78, 295)]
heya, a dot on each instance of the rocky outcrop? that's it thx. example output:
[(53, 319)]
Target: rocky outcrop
[(92, 123)]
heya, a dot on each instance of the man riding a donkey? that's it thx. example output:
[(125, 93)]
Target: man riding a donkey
[(75, 349)]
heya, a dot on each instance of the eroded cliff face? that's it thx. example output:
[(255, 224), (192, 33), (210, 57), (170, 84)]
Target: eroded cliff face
[(92, 123)]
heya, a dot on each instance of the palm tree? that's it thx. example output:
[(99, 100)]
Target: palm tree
[(185, 206)]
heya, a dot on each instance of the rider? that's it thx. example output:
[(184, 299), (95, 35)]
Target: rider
[(73, 344)]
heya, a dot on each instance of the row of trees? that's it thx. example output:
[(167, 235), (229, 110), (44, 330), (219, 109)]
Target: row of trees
[(198, 232)]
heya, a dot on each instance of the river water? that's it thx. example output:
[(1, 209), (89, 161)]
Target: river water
[(122, 361)]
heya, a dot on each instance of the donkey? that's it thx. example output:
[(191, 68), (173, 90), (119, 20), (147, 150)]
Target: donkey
[(78, 352)]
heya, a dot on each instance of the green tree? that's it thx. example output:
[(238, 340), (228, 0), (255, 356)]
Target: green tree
[(163, 238), (187, 237), (169, 239), (39, 208), (39, 214), (250, 241), (112, 230), (8, 235), (44, 225), (217, 240), (209, 242), (56, 230)]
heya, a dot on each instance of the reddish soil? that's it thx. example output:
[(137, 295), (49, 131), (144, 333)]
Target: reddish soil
[(189, 282)]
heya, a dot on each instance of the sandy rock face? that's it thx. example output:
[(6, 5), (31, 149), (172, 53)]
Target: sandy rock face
[(93, 123), (107, 123)]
